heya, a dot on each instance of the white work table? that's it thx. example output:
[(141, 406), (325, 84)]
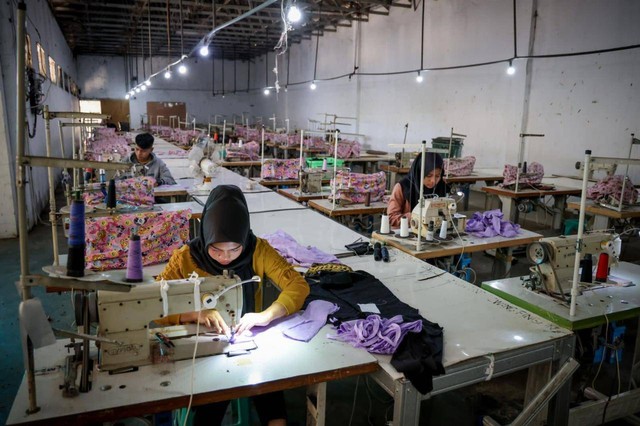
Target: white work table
[(484, 336), (263, 202), (167, 386)]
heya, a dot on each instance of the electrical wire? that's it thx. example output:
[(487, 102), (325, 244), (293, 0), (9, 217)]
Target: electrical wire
[(355, 395), (193, 369)]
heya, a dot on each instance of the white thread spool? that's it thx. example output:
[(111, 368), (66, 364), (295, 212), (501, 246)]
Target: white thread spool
[(384, 224), (443, 230), (324, 165), (249, 185), (404, 227)]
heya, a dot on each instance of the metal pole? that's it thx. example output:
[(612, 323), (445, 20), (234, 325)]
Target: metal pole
[(421, 200), (52, 188), (262, 156), (583, 207), (21, 195), (335, 166)]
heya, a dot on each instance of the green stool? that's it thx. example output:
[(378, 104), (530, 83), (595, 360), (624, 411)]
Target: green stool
[(570, 226), (240, 414)]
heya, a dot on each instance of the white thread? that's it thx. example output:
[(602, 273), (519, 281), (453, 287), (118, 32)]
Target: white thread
[(164, 287)]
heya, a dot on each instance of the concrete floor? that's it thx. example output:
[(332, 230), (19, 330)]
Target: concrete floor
[(357, 402)]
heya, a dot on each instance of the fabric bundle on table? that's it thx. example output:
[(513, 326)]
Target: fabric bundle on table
[(490, 224), (295, 253), (609, 188), (376, 334)]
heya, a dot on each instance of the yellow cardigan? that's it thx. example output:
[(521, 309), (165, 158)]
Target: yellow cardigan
[(267, 263)]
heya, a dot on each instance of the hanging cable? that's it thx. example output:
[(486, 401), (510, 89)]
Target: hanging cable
[(235, 69), (315, 65), (515, 31), (168, 35), (149, 32)]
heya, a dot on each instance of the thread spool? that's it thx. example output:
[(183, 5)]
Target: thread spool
[(586, 275), (367, 199), (324, 164), (404, 227), (384, 224), (443, 229), (111, 194), (377, 252), (134, 260), (602, 271), (75, 258)]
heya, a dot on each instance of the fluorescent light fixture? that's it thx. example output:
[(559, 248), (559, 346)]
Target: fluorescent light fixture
[(204, 50), (419, 78), (182, 69), (313, 85), (167, 74), (294, 14), (511, 70), (147, 83)]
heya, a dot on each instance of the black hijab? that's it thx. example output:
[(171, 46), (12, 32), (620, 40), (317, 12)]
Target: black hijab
[(411, 183), (225, 218)]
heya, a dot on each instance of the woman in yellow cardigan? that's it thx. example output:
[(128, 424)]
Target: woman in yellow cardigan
[(226, 242)]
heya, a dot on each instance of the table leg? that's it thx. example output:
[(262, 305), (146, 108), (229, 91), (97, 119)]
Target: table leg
[(509, 208), (502, 262), (406, 404), (316, 404), (559, 204)]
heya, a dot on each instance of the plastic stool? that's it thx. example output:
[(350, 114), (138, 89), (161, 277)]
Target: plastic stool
[(570, 226)]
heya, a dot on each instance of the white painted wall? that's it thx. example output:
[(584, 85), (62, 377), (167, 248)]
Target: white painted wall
[(42, 28), (581, 102)]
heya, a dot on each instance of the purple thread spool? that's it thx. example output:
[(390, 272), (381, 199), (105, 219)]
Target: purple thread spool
[(134, 261), (75, 258)]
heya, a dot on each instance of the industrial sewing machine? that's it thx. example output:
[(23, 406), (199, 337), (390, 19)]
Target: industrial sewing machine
[(311, 180), (437, 210), (554, 259), (126, 320)]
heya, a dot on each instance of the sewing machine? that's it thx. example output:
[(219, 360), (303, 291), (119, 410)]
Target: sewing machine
[(436, 210), (126, 319), (311, 180), (404, 159), (554, 258)]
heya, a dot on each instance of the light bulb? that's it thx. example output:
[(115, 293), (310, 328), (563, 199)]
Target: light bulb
[(294, 14), (182, 69), (266, 92), (127, 96), (137, 90), (313, 86), (167, 74), (132, 92), (511, 70), (204, 50), (419, 78), (148, 83), (143, 87)]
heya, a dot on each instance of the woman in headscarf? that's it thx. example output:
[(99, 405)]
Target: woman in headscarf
[(226, 242), (406, 193)]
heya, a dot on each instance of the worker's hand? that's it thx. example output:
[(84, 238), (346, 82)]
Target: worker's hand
[(209, 318), (252, 319)]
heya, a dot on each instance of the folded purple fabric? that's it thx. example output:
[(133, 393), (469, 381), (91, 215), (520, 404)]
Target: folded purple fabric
[(296, 254), (303, 326), (375, 334), (490, 223)]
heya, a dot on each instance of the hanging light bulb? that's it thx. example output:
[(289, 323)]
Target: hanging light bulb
[(132, 92), (148, 83), (143, 87), (511, 70), (294, 14), (182, 69), (127, 96), (137, 90), (266, 91), (204, 50), (167, 74), (313, 85), (419, 78)]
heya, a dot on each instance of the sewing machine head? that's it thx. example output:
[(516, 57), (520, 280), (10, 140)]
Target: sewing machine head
[(554, 258), (403, 159), (311, 181), (128, 318), (435, 210)]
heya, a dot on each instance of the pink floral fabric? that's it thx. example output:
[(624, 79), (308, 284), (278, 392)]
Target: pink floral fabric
[(248, 152), (608, 190), (534, 175), (346, 149), (353, 187), (136, 191), (281, 169), (459, 166), (160, 233)]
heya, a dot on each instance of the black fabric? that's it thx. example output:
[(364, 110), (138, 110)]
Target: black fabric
[(419, 355), (144, 140), (411, 182), (225, 218)]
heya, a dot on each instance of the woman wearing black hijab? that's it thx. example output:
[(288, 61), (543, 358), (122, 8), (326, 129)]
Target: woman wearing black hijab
[(406, 193), (226, 242)]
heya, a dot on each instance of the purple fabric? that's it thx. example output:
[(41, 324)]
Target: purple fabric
[(303, 326), (296, 254), (375, 334), (490, 223)]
